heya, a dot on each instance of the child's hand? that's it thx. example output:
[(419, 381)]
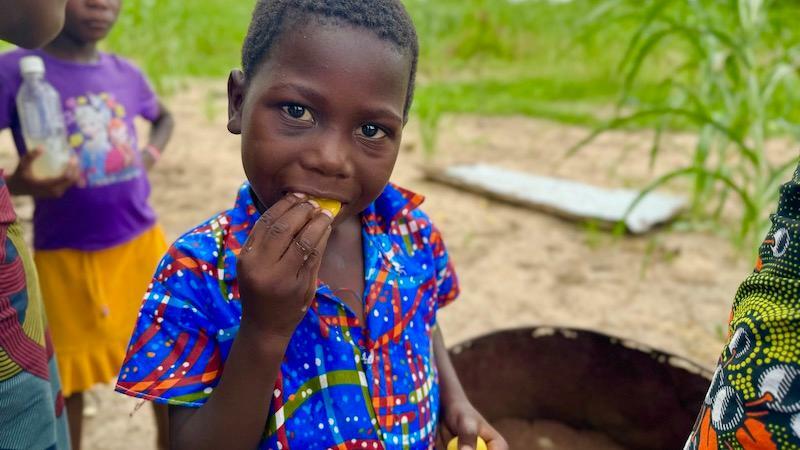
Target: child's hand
[(23, 182), (150, 155), (148, 160), (278, 265), (460, 419)]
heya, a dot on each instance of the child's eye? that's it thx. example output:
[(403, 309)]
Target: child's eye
[(298, 112), (372, 131)]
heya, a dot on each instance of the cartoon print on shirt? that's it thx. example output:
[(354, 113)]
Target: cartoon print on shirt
[(101, 138)]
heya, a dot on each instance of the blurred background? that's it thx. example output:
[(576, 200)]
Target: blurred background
[(695, 98), (722, 70)]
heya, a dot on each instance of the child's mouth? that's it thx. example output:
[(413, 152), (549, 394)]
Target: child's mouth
[(98, 25)]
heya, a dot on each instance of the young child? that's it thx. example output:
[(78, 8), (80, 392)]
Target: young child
[(96, 243), (279, 324), (754, 399)]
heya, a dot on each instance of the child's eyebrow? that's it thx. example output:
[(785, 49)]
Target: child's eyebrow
[(305, 91), (384, 113)]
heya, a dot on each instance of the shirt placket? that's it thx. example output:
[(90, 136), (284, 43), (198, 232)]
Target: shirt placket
[(363, 357)]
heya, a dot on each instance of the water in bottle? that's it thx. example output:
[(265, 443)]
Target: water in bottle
[(42, 120)]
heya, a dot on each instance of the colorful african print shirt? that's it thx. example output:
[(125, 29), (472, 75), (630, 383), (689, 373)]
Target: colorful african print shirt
[(32, 413), (754, 399), (341, 384)]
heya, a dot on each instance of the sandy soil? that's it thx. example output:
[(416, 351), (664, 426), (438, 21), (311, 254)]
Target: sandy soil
[(669, 290)]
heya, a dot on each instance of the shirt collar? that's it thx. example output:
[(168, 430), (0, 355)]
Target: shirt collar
[(392, 204), (381, 217)]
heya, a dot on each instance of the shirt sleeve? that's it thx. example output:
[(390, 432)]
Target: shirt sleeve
[(754, 398), (447, 287), (148, 100), (177, 346), (7, 102)]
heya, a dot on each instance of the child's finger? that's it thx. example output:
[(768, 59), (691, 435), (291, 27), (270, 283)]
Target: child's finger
[(467, 434), (305, 250), (444, 435), (27, 159), (73, 171), (277, 239), (497, 444), (494, 441), (265, 222)]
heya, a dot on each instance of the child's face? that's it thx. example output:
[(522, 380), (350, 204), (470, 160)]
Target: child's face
[(90, 20), (323, 115), (31, 23)]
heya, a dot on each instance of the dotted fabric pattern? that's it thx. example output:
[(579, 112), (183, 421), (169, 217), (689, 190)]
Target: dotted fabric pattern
[(754, 399), (343, 384)]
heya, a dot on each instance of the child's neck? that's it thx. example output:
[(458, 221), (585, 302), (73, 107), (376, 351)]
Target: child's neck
[(69, 49)]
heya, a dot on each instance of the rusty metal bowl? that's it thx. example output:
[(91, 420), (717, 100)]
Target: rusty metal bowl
[(639, 397)]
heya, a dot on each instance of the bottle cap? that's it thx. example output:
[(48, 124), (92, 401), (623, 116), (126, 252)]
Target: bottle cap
[(31, 65)]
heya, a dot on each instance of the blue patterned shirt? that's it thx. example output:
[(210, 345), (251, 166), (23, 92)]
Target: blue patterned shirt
[(342, 384)]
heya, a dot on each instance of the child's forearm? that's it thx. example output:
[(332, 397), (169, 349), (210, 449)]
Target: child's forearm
[(161, 130), (450, 387), (235, 414)]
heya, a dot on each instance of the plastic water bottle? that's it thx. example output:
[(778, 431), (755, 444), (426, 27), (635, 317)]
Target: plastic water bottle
[(42, 120)]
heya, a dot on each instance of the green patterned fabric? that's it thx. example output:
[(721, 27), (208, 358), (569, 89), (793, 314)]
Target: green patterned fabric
[(754, 398)]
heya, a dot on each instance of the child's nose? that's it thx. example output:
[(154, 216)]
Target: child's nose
[(330, 156)]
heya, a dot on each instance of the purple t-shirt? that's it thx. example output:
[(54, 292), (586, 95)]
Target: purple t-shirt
[(100, 101)]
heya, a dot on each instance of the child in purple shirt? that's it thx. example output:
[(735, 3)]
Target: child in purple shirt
[(95, 235)]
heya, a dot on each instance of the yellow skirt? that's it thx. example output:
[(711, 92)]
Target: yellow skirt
[(92, 300)]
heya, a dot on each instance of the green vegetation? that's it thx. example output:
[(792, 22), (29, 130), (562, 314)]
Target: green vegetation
[(542, 58), (736, 87), (723, 69), (478, 56)]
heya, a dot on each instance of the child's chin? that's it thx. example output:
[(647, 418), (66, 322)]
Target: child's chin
[(94, 35)]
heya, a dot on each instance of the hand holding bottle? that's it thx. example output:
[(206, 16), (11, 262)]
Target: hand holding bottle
[(24, 182)]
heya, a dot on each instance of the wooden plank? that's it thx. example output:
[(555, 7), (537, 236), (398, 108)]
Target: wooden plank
[(564, 198)]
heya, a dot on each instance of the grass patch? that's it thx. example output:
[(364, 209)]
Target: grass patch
[(536, 57), (508, 57)]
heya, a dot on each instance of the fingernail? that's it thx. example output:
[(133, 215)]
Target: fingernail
[(327, 213), (299, 194), (313, 203)]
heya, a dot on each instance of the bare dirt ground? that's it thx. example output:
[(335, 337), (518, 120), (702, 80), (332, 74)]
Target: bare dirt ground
[(670, 290)]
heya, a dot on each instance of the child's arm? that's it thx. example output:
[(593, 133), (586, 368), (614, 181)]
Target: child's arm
[(160, 134), (459, 417), (235, 414), (23, 182), (274, 302)]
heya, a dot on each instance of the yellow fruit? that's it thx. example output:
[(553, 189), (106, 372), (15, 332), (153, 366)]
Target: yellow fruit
[(453, 444), (334, 206)]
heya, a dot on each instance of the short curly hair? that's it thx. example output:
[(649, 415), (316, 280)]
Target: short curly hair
[(388, 19)]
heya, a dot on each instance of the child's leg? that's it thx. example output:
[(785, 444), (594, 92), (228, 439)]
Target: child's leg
[(161, 413), (74, 405)]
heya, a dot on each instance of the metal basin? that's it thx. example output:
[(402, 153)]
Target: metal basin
[(639, 397)]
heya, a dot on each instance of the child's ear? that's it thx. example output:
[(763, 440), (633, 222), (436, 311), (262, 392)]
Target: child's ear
[(236, 89)]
